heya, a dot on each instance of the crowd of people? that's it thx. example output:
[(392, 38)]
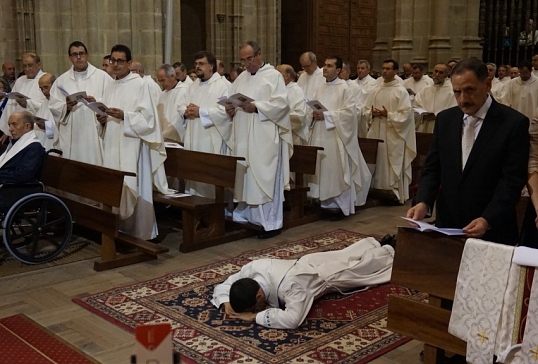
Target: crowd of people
[(119, 117)]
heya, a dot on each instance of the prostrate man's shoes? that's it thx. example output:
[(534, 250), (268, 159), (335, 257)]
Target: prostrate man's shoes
[(269, 234), (389, 240)]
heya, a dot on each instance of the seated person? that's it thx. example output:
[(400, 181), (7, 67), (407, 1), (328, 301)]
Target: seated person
[(21, 162), (289, 287)]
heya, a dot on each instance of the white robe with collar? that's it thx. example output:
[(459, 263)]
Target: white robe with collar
[(434, 98), (297, 283), (523, 95), (298, 113), (397, 130), (48, 137), (154, 87), (311, 83), (27, 87), (79, 130), (417, 86), (169, 106)]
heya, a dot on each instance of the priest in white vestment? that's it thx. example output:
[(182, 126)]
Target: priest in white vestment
[(44, 125), (434, 98), (298, 109), (503, 73), (523, 91), (278, 293), (366, 84), (262, 135), (312, 77), (418, 81), (389, 107), (28, 86), (181, 73), (170, 103), (499, 90), (208, 128), (154, 88), (78, 128), (342, 178), (133, 142)]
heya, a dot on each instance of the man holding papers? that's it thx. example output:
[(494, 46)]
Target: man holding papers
[(477, 164), (262, 135), (341, 172), (78, 128)]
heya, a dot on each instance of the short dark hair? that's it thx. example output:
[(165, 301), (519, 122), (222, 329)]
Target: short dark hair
[(525, 64), (395, 65), (474, 65), (418, 66), (243, 294), (180, 65), (211, 59), (122, 48), (107, 56), (255, 47), (338, 61), (76, 43)]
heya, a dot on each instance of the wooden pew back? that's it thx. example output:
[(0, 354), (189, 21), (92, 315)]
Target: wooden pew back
[(369, 149)]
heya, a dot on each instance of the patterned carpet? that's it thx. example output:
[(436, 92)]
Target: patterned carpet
[(23, 341), (339, 329)]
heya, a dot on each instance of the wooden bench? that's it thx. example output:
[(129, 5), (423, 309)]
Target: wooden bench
[(424, 141), (303, 161), (368, 149), (65, 178), (429, 263), (203, 220)]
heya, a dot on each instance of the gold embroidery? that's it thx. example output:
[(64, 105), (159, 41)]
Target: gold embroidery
[(482, 336), (535, 353)]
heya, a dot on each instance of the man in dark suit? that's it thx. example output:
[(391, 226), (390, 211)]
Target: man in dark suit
[(476, 183)]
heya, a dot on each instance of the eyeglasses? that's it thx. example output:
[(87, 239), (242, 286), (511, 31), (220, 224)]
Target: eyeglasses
[(31, 65), (79, 54), (118, 61), (248, 60)]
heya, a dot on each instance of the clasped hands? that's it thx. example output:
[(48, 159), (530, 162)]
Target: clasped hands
[(192, 111), (245, 316), (377, 113), (475, 229)]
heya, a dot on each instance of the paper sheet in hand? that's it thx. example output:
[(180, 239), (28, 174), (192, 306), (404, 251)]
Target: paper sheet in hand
[(172, 145), (316, 105), (425, 227), (97, 107), (77, 96), (14, 95), (236, 100)]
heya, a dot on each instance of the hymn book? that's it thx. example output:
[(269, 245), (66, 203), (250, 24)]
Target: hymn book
[(236, 100), (425, 227), (14, 95), (77, 96)]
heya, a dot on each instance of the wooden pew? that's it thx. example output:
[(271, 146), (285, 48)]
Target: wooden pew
[(302, 162), (65, 178), (426, 262), (369, 149), (202, 218), (424, 141)]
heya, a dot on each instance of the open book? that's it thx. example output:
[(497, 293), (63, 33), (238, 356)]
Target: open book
[(14, 95), (425, 227), (236, 100), (316, 105), (97, 107), (77, 96)]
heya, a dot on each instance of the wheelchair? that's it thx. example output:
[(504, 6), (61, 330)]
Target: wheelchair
[(36, 226)]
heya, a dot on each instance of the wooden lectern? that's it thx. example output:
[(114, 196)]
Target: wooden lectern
[(429, 263)]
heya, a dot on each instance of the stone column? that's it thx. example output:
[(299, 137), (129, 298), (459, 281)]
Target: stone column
[(421, 32), (402, 44), (386, 14), (9, 46), (471, 41), (439, 42)]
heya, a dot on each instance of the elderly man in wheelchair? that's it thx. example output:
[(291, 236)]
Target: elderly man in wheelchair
[(36, 226)]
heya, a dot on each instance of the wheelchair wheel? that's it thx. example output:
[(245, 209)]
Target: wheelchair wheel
[(37, 228)]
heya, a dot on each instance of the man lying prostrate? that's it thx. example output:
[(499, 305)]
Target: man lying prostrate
[(289, 287), (23, 157)]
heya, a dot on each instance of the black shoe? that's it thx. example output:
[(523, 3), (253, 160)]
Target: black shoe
[(337, 217), (388, 240), (269, 234)]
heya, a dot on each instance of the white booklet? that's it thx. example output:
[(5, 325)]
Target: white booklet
[(14, 95), (316, 105), (425, 227), (77, 96), (236, 100), (97, 107)]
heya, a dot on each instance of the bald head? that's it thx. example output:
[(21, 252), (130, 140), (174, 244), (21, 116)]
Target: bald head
[(8, 69), (287, 72), (136, 67), (309, 62), (45, 83)]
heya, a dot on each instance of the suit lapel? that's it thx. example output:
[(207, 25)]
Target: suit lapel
[(489, 126)]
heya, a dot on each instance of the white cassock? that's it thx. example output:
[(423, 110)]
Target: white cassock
[(394, 156), (523, 95), (367, 83), (342, 175), (380, 80), (506, 79), (298, 113), (169, 106), (135, 144), (228, 83), (27, 87), (154, 87), (264, 139), (212, 131), (434, 98), (187, 81), (78, 129), (417, 86), (49, 136), (365, 86), (311, 83), (291, 286), (499, 91)]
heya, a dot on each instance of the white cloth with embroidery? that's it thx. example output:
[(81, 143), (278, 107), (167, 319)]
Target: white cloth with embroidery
[(480, 288)]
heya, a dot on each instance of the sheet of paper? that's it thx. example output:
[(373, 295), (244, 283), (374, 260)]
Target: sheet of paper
[(316, 105), (425, 227), (237, 100), (14, 95), (177, 195), (172, 145), (97, 107)]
